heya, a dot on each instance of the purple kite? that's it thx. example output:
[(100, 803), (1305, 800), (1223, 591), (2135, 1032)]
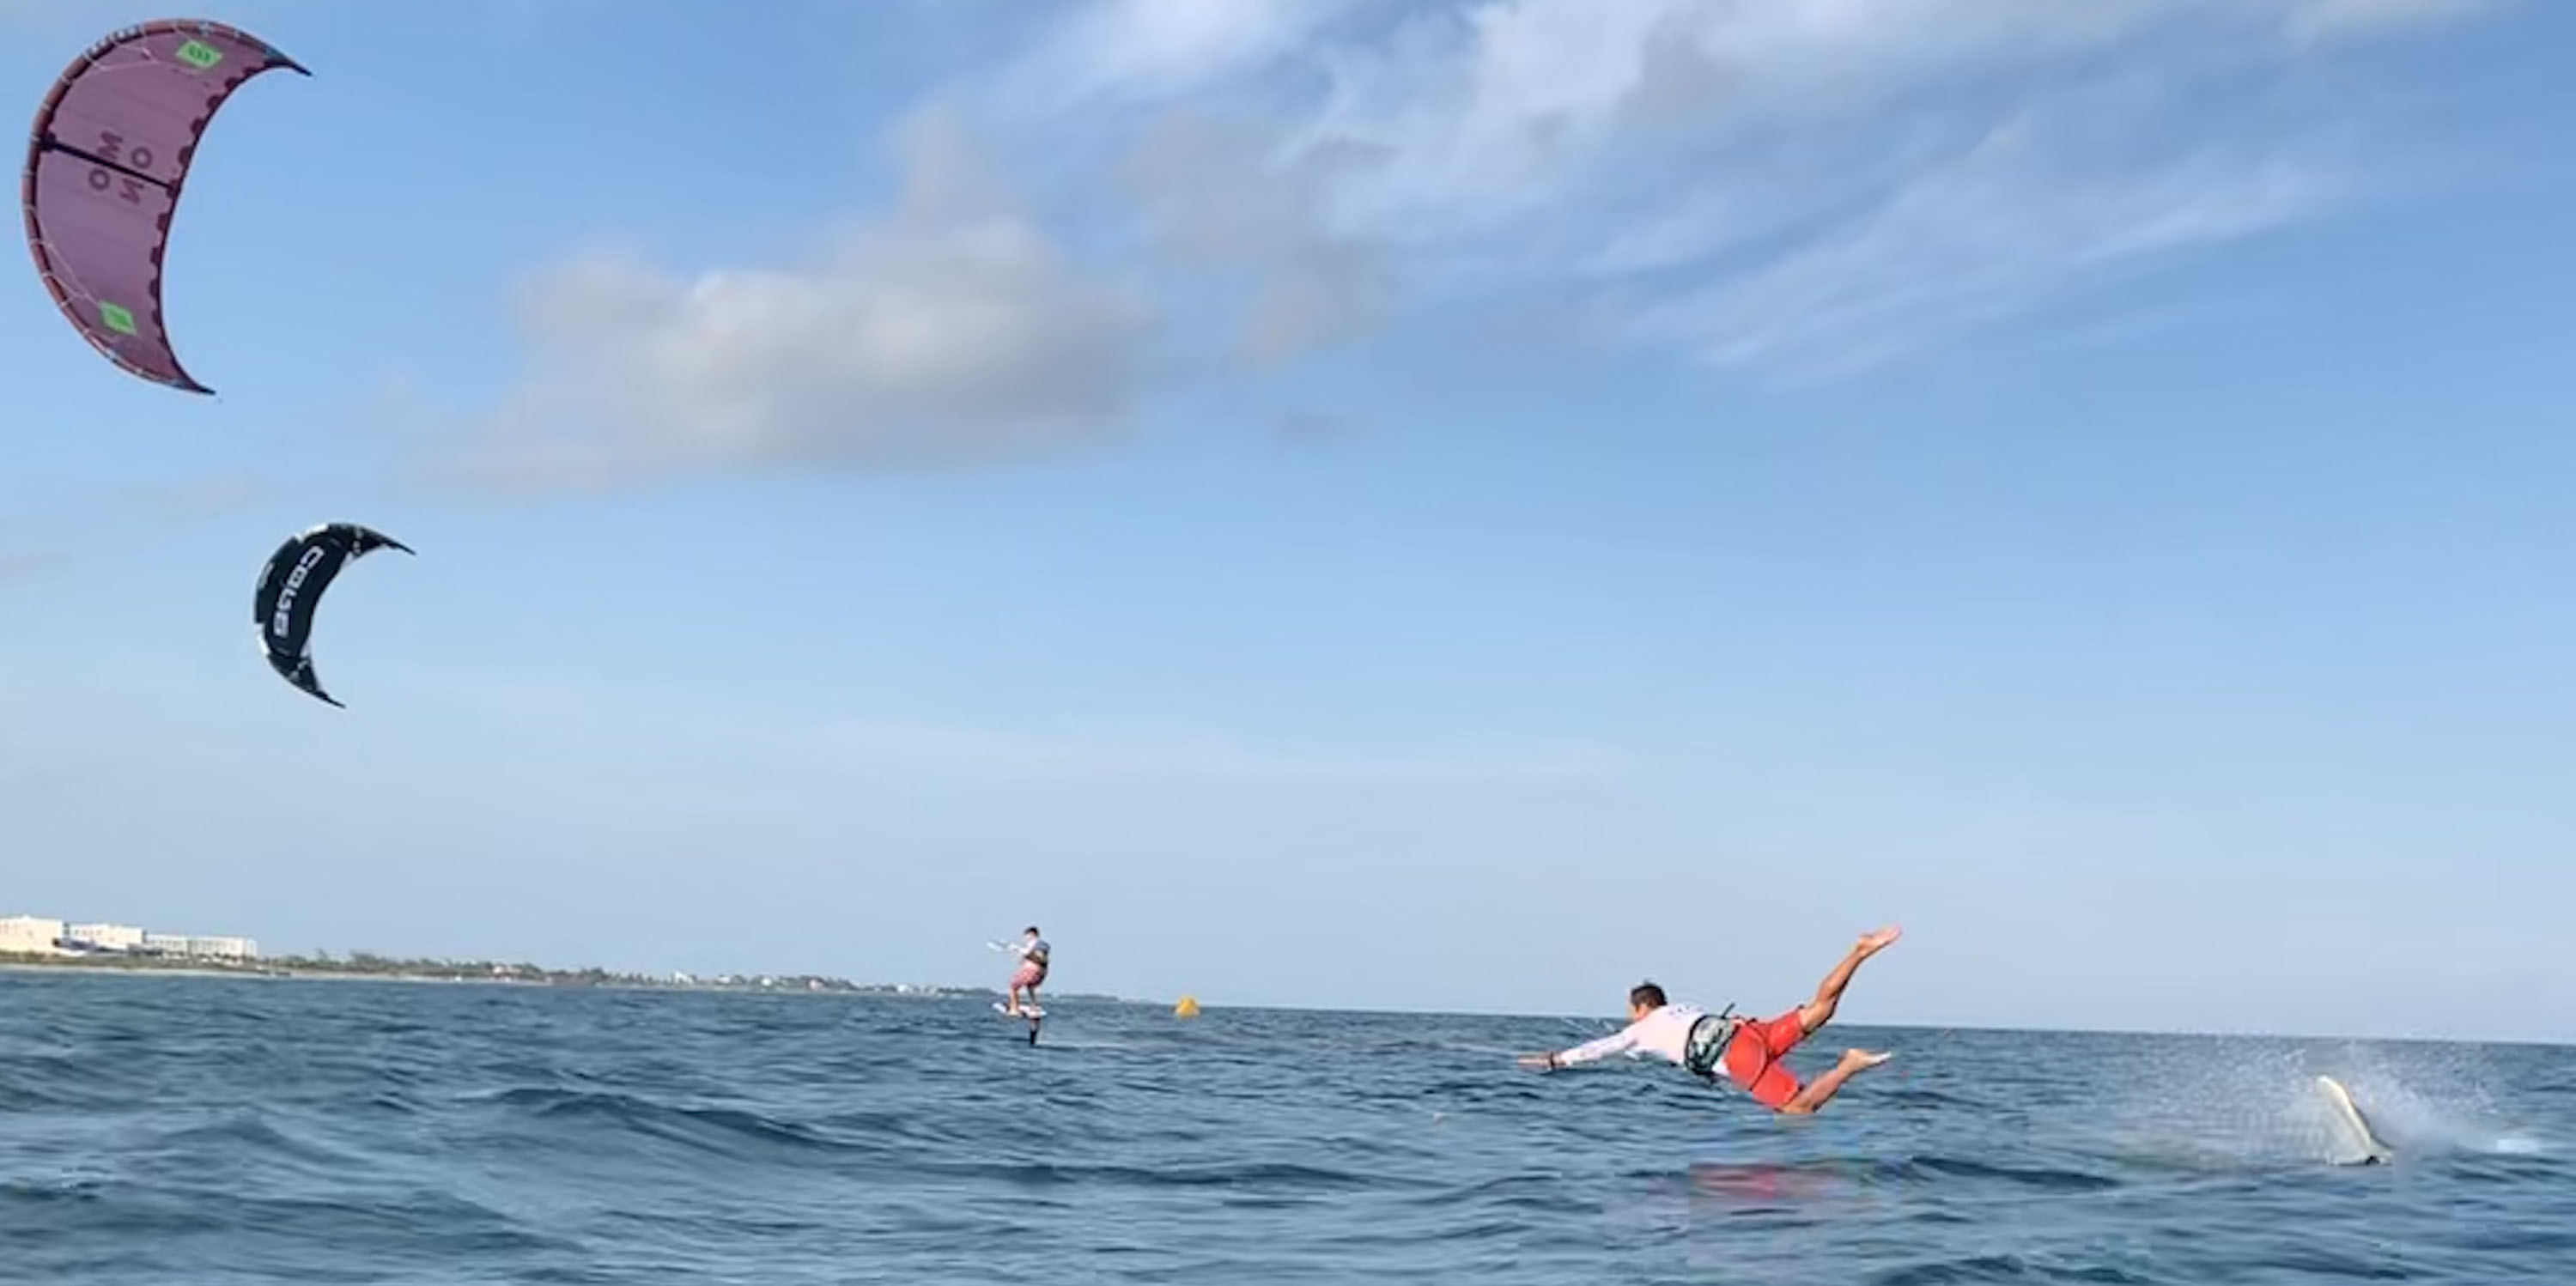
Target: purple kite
[(105, 162)]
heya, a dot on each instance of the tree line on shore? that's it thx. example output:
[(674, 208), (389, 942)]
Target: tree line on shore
[(372, 964)]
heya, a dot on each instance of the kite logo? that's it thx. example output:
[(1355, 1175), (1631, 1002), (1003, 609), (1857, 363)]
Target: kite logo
[(102, 181), (115, 318), (110, 143), (279, 623), (200, 55)]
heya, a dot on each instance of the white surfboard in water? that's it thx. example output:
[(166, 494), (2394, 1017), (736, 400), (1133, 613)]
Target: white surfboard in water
[(2364, 1147)]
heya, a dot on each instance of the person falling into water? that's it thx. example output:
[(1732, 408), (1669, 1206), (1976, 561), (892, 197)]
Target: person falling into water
[(1032, 953), (1750, 1051)]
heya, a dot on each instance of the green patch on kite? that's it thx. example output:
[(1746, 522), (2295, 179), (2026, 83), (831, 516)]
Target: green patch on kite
[(115, 318), (199, 54)]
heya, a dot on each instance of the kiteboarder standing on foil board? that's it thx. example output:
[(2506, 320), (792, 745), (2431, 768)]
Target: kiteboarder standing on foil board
[(1748, 1050), (1032, 953)]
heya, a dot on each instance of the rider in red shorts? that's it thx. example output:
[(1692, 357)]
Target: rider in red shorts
[(1032, 951), (1748, 1050)]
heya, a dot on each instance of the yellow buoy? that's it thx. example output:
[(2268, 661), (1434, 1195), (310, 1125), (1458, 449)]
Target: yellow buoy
[(1188, 1008)]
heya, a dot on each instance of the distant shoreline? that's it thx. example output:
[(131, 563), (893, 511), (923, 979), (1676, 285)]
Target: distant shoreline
[(495, 974), (477, 973), (255, 973)]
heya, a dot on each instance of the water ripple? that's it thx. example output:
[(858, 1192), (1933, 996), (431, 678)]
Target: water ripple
[(210, 1132)]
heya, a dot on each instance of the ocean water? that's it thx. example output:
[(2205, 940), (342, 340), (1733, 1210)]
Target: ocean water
[(200, 1132)]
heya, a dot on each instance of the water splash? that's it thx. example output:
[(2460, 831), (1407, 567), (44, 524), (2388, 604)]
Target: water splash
[(2226, 1104), (2460, 1116)]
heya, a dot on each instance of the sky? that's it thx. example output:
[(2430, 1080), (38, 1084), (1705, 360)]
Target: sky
[(1402, 504)]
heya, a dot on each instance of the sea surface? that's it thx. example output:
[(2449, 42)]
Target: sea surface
[(200, 1132)]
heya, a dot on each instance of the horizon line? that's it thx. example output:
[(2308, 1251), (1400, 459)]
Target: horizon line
[(1080, 998)]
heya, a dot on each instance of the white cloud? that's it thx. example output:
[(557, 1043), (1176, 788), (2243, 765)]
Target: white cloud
[(1483, 108), (1217, 206), (1484, 113), (1144, 50), (2316, 20), (1980, 238), (1772, 187), (1834, 179), (952, 331)]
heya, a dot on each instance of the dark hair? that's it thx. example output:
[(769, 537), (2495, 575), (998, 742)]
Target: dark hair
[(1647, 994), (1031, 929)]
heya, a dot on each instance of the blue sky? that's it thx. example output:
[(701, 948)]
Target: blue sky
[(1450, 504)]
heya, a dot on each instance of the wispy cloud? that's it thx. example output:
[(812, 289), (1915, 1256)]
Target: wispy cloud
[(817, 738), (1308, 427), (23, 565), (192, 501), (880, 748), (1219, 212), (1129, 52), (2319, 20), (50, 543), (1774, 189), (1787, 187), (1990, 234)]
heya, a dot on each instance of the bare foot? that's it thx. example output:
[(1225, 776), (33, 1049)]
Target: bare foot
[(1872, 943), (1856, 1060)]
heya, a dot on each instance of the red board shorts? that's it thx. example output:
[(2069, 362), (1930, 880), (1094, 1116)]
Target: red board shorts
[(1753, 1058), (1029, 976)]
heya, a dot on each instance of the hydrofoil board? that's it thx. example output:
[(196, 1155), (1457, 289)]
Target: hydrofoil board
[(2365, 1147)]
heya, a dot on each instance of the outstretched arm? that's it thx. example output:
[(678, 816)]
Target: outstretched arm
[(1617, 1042)]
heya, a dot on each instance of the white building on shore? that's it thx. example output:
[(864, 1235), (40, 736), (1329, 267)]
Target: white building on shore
[(36, 935), (199, 947), (113, 937), (29, 935)]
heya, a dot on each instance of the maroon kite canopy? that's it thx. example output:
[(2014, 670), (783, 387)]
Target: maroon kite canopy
[(105, 162)]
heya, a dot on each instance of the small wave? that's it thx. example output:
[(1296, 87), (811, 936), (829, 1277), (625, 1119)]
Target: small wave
[(252, 1134), (700, 1126), (450, 1223), (2000, 1268), (2046, 1178), (1525, 1192), (1817, 1177), (1919, 1097), (103, 1207), (66, 1080), (585, 1138), (1975, 1268), (1275, 1175)]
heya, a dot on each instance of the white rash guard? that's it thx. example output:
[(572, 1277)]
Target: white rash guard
[(1663, 1032)]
